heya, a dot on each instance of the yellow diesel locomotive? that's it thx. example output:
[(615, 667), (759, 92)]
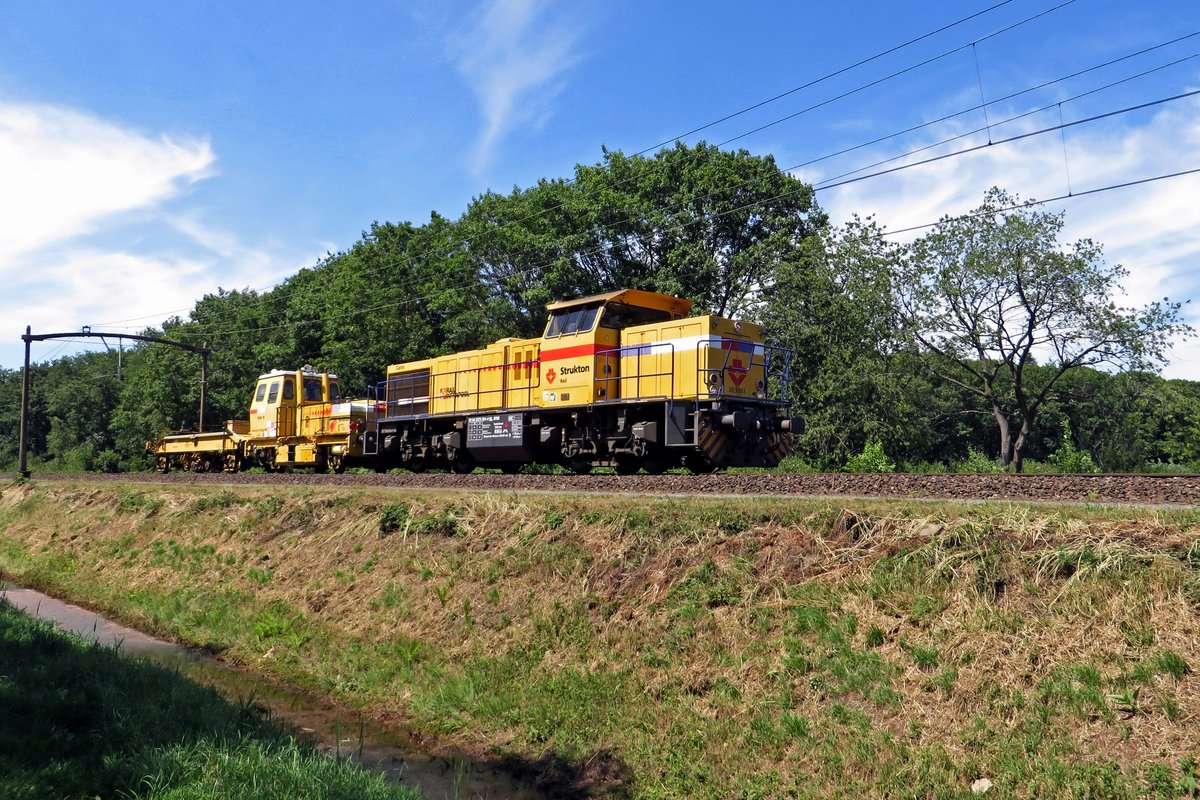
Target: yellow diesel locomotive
[(624, 379)]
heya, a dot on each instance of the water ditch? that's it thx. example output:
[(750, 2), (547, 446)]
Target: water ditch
[(399, 755)]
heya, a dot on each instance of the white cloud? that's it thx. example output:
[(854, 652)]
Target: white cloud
[(512, 58), (87, 237), (1153, 229), (66, 171), (87, 287)]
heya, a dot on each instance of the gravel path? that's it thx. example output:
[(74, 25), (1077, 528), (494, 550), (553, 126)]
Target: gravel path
[(1181, 490)]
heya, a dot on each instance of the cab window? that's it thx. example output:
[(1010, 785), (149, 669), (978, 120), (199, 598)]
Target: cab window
[(334, 394), (274, 395), (312, 390), (566, 321), (289, 390), (261, 393), (621, 315)]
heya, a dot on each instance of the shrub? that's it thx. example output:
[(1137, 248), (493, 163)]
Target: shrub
[(871, 459), (978, 462), (1068, 458), (107, 461), (393, 518)]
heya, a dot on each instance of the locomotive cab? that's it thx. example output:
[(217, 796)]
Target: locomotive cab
[(281, 395), (298, 418), (581, 348)]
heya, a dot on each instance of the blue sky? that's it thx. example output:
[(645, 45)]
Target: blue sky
[(151, 152)]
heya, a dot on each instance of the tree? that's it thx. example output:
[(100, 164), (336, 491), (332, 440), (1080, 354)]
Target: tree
[(831, 303), (993, 293), (697, 222)]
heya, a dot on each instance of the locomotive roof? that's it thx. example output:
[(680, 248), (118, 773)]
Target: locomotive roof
[(634, 297), (307, 370)]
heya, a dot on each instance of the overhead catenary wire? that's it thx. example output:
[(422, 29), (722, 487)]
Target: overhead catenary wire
[(794, 90), (1013, 95), (1010, 139), (1013, 118), (896, 74), (833, 183), (834, 74), (1044, 201), (818, 187), (404, 303), (407, 259)]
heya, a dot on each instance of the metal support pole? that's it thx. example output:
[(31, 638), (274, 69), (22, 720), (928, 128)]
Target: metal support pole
[(203, 382), (22, 466)]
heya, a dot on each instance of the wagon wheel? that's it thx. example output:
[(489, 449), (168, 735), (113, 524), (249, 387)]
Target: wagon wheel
[(337, 463), (162, 464), (463, 463), (510, 467), (231, 462)]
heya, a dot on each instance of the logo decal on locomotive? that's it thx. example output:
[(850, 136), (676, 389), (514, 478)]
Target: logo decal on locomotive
[(737, 372), (562, 372)]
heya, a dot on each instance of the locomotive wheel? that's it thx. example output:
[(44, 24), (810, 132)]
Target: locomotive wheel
[(698, 464), (656, 465), (415, 465), (337, 463), (463, 464), (627, 466), (510, 467), (580, 466)]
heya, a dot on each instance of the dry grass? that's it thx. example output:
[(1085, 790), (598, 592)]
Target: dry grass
[(761, 639)]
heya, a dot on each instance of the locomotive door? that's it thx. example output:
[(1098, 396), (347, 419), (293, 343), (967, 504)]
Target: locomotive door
[(608, 364), (287, 410)]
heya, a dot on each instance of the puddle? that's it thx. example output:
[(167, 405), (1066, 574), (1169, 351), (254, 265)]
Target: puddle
[(331, 729)]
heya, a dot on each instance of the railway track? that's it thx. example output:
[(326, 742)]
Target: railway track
[(1179, 490)]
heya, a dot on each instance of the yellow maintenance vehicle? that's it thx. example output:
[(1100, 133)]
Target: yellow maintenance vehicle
[(297, 418)]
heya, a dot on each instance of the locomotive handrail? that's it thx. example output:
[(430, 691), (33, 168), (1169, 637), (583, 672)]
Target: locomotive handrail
[(638, 350), (760, 357), (392, 401)]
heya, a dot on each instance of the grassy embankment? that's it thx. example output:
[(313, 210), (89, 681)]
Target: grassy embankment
[(78, 720), (681, 648)]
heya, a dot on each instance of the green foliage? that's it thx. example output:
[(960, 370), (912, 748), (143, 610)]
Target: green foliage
[(1069, 458), (1007, 255), (439, 523), (977, 462), (697, 222), (393, 517), (131, 502), (871, 459)]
